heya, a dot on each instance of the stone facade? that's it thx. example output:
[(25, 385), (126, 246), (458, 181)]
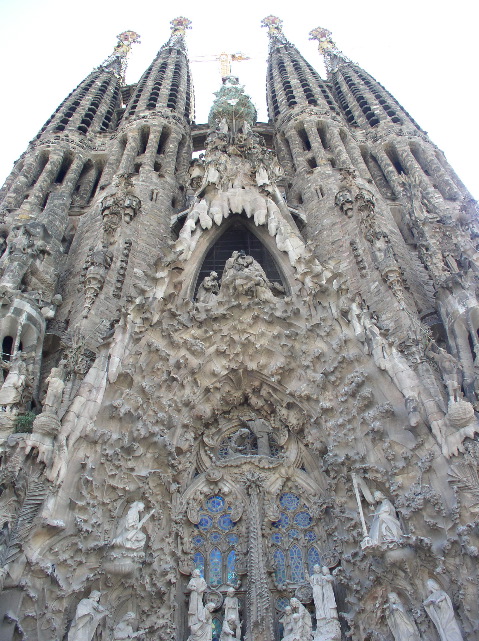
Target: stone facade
[(240, 390)]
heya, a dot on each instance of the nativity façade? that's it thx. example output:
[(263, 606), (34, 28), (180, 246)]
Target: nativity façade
[(239, 364)]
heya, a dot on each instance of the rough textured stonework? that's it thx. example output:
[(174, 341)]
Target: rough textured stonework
[(239, 390)]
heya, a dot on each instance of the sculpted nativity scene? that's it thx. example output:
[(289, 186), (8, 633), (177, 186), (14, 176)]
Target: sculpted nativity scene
[(239, 364)]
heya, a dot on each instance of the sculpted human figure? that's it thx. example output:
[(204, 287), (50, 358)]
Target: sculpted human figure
[(129, 530), (287, 621), (88, 615), (439, 607), (201, 629), (301, 621), (451, 372), (229, 630), (243, 275), (197, 586), (385, 527), (400, 623), (54, 395), (12, 389), (124, 631), (232, 612), (324, 601), (208, 289)]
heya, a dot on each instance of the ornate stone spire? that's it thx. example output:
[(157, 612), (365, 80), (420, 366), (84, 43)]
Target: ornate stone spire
[(275, 28), (117, 60), (178, 30), (333, 56)]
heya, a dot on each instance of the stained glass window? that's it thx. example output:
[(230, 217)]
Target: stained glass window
[(313, 559), (297, 567), (302, 519), (215, 504), (291, 537), (215, 567), (289, 501), (231, 567), (280, 565), (199, 562), (216, 542)]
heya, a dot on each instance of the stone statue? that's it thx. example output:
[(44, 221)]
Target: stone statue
[(451, 372), (54, 395), (124, 631), (208, 289), (385, 527), (197, 587), (325, 604), (130, 534), (88, 615), (230, 629), (324, 601), (302, 624), (201, 629), (231, 606), (12, 389), (287, 622), (400, 622), (244, 276), (439, 607)]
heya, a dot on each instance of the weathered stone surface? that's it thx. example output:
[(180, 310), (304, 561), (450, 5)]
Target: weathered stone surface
[(239, 391)]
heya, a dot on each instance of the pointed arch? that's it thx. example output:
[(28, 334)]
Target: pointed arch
[(278, 269)]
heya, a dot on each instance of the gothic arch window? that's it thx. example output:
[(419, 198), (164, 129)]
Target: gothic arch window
[(238, 237), (293, 541), (215, 542)]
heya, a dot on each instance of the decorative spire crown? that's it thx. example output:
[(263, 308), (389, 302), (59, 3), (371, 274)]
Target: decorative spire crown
[(333, 56), (117, 60), (232, 105), (275, 28), (178, 28)]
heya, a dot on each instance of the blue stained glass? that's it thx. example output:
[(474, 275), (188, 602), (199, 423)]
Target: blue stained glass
[(297, 568), (215, 504), (310, 536), (215, 537), (293, 534), (289, 501), (225, 522), (199, 561), (283, 521), (277, 537), (280, 566), (282, 603), (217, 625), (231, 567), (302, 519), (313, 558), (198, 540), (215, 567), (205, 522), (232, 539)]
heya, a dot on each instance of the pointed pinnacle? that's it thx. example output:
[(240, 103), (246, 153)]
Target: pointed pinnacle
[(274, 26)]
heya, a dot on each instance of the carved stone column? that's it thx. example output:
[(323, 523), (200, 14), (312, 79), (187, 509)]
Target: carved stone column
[(258, 598)]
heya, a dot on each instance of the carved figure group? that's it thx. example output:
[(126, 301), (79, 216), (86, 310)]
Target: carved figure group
[(244, 276), (321, 582)]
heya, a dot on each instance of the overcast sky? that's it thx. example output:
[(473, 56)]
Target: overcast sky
[(422, 51)]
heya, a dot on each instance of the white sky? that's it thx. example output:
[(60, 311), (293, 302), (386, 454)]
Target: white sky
[(422, 51)]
